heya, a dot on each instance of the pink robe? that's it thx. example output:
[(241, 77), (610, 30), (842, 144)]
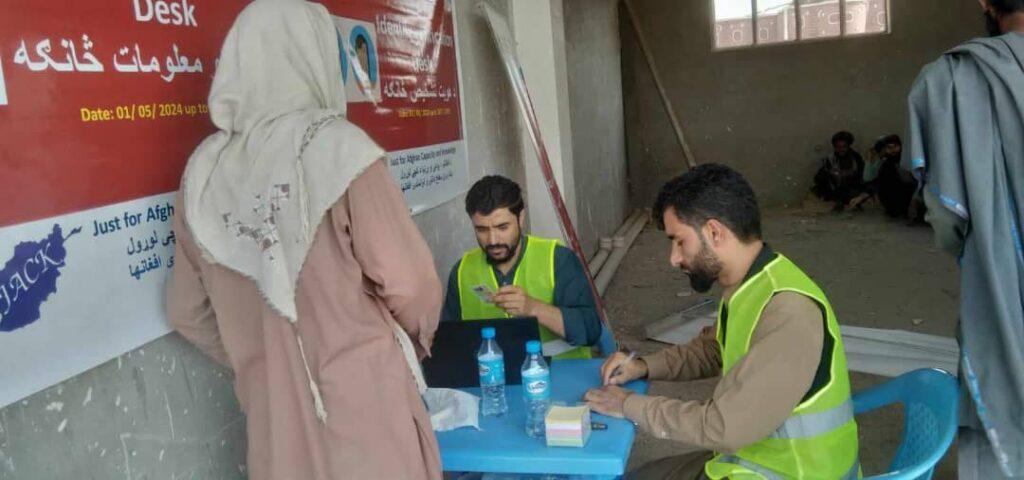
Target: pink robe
[(367, 262)]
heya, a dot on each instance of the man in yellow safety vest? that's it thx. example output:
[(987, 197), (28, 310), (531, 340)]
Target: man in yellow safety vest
[(782, 408), (513, 275)]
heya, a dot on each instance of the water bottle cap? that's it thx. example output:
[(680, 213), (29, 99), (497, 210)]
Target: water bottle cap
[(533, 346), (487, 332)]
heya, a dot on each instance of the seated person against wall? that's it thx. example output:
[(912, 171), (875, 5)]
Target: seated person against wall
[(884, 178), (869, 191), (876, 158), (840, 177), (897, 189), (521, 275)]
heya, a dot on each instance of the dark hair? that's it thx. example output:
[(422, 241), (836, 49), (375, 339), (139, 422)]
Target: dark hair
[(360, 41), (493, 192), (843, 135), (1007, 6), (882, 142), (711, 191)]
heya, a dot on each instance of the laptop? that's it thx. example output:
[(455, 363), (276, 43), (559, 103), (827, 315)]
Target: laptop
[(453, 363)]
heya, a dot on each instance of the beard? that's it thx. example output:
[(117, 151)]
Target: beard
[(499, 253), (992, 25), (705, 269)]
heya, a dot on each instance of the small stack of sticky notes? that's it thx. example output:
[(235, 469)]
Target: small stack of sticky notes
[(567, 426)]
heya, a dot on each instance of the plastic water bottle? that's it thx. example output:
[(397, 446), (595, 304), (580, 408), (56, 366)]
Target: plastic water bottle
[(492, 375), (536, 389)]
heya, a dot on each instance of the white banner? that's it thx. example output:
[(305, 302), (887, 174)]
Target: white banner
[(430, 176), (97, 278)]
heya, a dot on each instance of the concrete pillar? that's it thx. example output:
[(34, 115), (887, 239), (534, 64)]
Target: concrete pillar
[(539, 29)]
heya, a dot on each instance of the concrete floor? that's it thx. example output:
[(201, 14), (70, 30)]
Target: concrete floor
[(877, 273)]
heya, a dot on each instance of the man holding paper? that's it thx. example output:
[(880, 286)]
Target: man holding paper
[(782, 408), (518, 275)]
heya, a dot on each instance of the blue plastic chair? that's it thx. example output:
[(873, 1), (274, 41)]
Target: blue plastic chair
[(930, 399)]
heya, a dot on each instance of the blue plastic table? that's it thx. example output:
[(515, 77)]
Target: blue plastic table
[(502, 445)]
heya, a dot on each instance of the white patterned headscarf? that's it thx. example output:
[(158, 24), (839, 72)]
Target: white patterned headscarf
[(256, 191)]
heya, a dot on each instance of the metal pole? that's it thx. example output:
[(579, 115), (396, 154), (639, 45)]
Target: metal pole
[(506, 47)]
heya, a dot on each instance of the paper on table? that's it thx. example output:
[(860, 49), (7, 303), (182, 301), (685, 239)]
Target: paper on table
[(567, 426), (556, 347), (450, 409), (566, 414)]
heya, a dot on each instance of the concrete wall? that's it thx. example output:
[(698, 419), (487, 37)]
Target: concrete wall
[(769, 111), (595, 101), (166, 412), (538, 28)]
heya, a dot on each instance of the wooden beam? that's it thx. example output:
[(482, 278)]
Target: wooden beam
[(687, 154)]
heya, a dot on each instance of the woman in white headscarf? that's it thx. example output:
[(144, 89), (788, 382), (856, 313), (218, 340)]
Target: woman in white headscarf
[(298, 265)]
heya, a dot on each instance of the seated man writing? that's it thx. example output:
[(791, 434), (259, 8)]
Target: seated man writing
[(782, 408), (516, 275)]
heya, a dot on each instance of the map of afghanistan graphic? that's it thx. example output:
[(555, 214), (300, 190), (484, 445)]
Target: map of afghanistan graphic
[(30, 277)]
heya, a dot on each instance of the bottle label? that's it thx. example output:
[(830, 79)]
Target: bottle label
[(537, 387), (492, 372)]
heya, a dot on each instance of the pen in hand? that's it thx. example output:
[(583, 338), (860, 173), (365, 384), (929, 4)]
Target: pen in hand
[(618, 368)]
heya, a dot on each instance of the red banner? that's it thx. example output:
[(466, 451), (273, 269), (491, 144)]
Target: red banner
[(101, 104), (103, 101)]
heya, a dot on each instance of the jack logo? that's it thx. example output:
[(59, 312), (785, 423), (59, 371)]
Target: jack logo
[(29, 278)]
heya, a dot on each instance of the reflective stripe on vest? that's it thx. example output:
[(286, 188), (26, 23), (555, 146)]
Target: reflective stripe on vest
[(753, 467), (814, 424), (852, 474)]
